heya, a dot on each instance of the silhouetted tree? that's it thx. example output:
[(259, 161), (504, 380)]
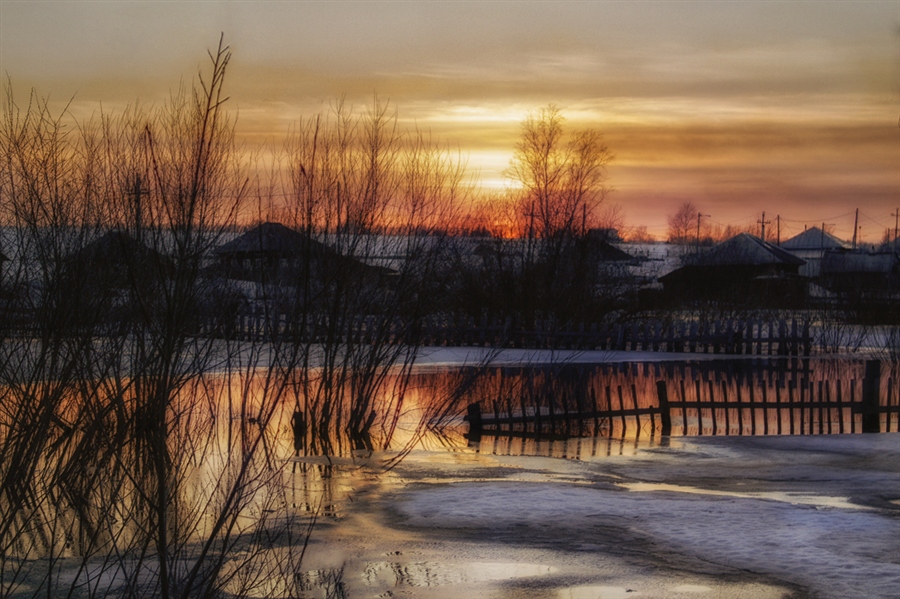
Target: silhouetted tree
[(683, 224)]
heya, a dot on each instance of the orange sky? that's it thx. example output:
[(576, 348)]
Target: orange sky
[(741, 107)]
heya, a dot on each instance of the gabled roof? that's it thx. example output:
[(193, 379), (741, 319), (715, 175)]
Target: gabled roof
[(745, 250), (116, 258), (603, 251), (272, 238), (814, 239), (118, 247)]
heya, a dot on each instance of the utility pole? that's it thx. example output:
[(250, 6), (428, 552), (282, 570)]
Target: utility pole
[(896, 216), (137, 192), (778, 230), (698, 229), (855, 227), (763, 222)]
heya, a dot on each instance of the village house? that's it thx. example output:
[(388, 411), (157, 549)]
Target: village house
[(811, 246), (743, 270)]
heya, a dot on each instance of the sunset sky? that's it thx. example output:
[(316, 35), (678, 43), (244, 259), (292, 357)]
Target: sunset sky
[(789, 107)]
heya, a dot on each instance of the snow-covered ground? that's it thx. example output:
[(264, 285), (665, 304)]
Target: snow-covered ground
[(747, 517)]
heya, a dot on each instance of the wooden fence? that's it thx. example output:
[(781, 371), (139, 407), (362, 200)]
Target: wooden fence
[(804, 407), (747, 337)]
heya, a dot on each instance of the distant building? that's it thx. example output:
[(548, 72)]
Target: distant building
[(857, 272), (116, 260), (811, 246), (285, 268), (607, 234), (742, 270), (113, 279), (274, 253)]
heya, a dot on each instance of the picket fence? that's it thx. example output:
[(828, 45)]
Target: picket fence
[(869, 405), (747, 337)]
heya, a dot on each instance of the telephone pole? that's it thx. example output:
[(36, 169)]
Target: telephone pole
[(855, 227), (698, 229), (137, 192), (778, 230), (763, 222), (896, 216)]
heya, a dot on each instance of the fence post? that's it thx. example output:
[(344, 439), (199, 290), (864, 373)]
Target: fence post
[(473, 415), (663, 394), (807, 339), (870, 399)]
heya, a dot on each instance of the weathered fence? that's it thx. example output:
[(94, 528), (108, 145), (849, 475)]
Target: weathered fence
[(704, 407), (747, 337)]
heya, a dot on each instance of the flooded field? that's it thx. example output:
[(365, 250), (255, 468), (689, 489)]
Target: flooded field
[(418, 504)]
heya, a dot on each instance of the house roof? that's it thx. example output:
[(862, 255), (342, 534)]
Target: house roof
[(606, 252), (275, 239), (814, 238), (745, 250), (272, 238), (115, 258), (117, 247)]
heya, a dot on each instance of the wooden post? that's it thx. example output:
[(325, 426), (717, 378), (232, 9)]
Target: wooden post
[(637, 416), (727, 410), (473, 415), (821, 416), (524, 413), (622, 411), (871, 423), (697, 393), (752, 404), (791, 386), (840, 407), (807, 339), (778, 406), (663, 395)]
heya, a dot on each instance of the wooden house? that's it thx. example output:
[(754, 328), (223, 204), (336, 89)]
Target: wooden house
[(858, 272), (811, 246), (113, 278), (741, 270), (274, 253)]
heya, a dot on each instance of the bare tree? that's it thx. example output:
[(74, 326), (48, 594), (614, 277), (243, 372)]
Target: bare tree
[(562, 181), (683, 224), (562, 177)]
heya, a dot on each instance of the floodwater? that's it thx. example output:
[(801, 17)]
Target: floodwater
[(757, 498)]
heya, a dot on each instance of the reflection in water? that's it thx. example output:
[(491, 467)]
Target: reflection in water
[(251, 470), (522, 407)]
